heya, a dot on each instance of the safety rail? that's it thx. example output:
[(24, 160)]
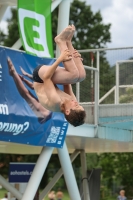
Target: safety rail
[(96, 97), (113, 89), (112, 55), (116, 88)]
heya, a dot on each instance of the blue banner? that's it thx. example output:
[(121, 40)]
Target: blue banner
[(20, 172), (22, 118)]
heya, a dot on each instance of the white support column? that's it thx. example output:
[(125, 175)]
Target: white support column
[(37, 173), (97, 93), (96, 108), (98, 80), (96, 98), (68, 173), (2, 11), (63, 18), (115, 99), (54, 4), (86, 193), (10, 188)]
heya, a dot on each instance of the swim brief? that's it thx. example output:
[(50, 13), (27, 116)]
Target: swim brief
[(36, 77)]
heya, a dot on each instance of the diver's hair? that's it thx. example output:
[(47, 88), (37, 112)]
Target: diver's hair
[(76, 118)]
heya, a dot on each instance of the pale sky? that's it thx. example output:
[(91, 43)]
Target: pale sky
[(117, 12), (120, 14)]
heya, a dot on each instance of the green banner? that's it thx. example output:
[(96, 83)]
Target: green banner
[(35, 27)]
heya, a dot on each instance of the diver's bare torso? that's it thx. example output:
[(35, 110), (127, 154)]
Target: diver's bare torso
[(50, 97)]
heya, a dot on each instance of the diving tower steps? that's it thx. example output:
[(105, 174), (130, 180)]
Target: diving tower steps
[(113, 133)]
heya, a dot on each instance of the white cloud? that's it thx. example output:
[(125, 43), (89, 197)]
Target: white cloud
[(3, 23), (119, 13), (3, 26)]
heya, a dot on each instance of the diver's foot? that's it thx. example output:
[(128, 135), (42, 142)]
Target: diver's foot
[(71, 33), (63, 36)]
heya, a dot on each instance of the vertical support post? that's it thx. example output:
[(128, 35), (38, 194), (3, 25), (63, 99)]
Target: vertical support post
[(37, 173), (96, 98), (115, 101), (55, 4), (63, 18), (117, 83), (86, 193), (98, 68), (78, 91), (96, 111), (97, 93), (68, 173)]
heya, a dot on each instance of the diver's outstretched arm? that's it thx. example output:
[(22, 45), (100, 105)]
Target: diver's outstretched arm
[(28, 83), (26, 74)]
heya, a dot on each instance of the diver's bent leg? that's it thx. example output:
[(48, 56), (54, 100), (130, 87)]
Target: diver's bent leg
[(70, 74), (77, 59)]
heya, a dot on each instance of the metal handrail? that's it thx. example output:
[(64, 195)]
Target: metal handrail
[(96, 96), (102, 49), (108, 93)]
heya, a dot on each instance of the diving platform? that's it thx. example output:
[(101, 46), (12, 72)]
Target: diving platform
[(114, 133)]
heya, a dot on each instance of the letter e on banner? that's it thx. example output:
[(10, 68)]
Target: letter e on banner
[(37, 43)]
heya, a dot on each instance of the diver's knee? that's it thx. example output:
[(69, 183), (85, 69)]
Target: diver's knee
[(75, 76), (82, 77)]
